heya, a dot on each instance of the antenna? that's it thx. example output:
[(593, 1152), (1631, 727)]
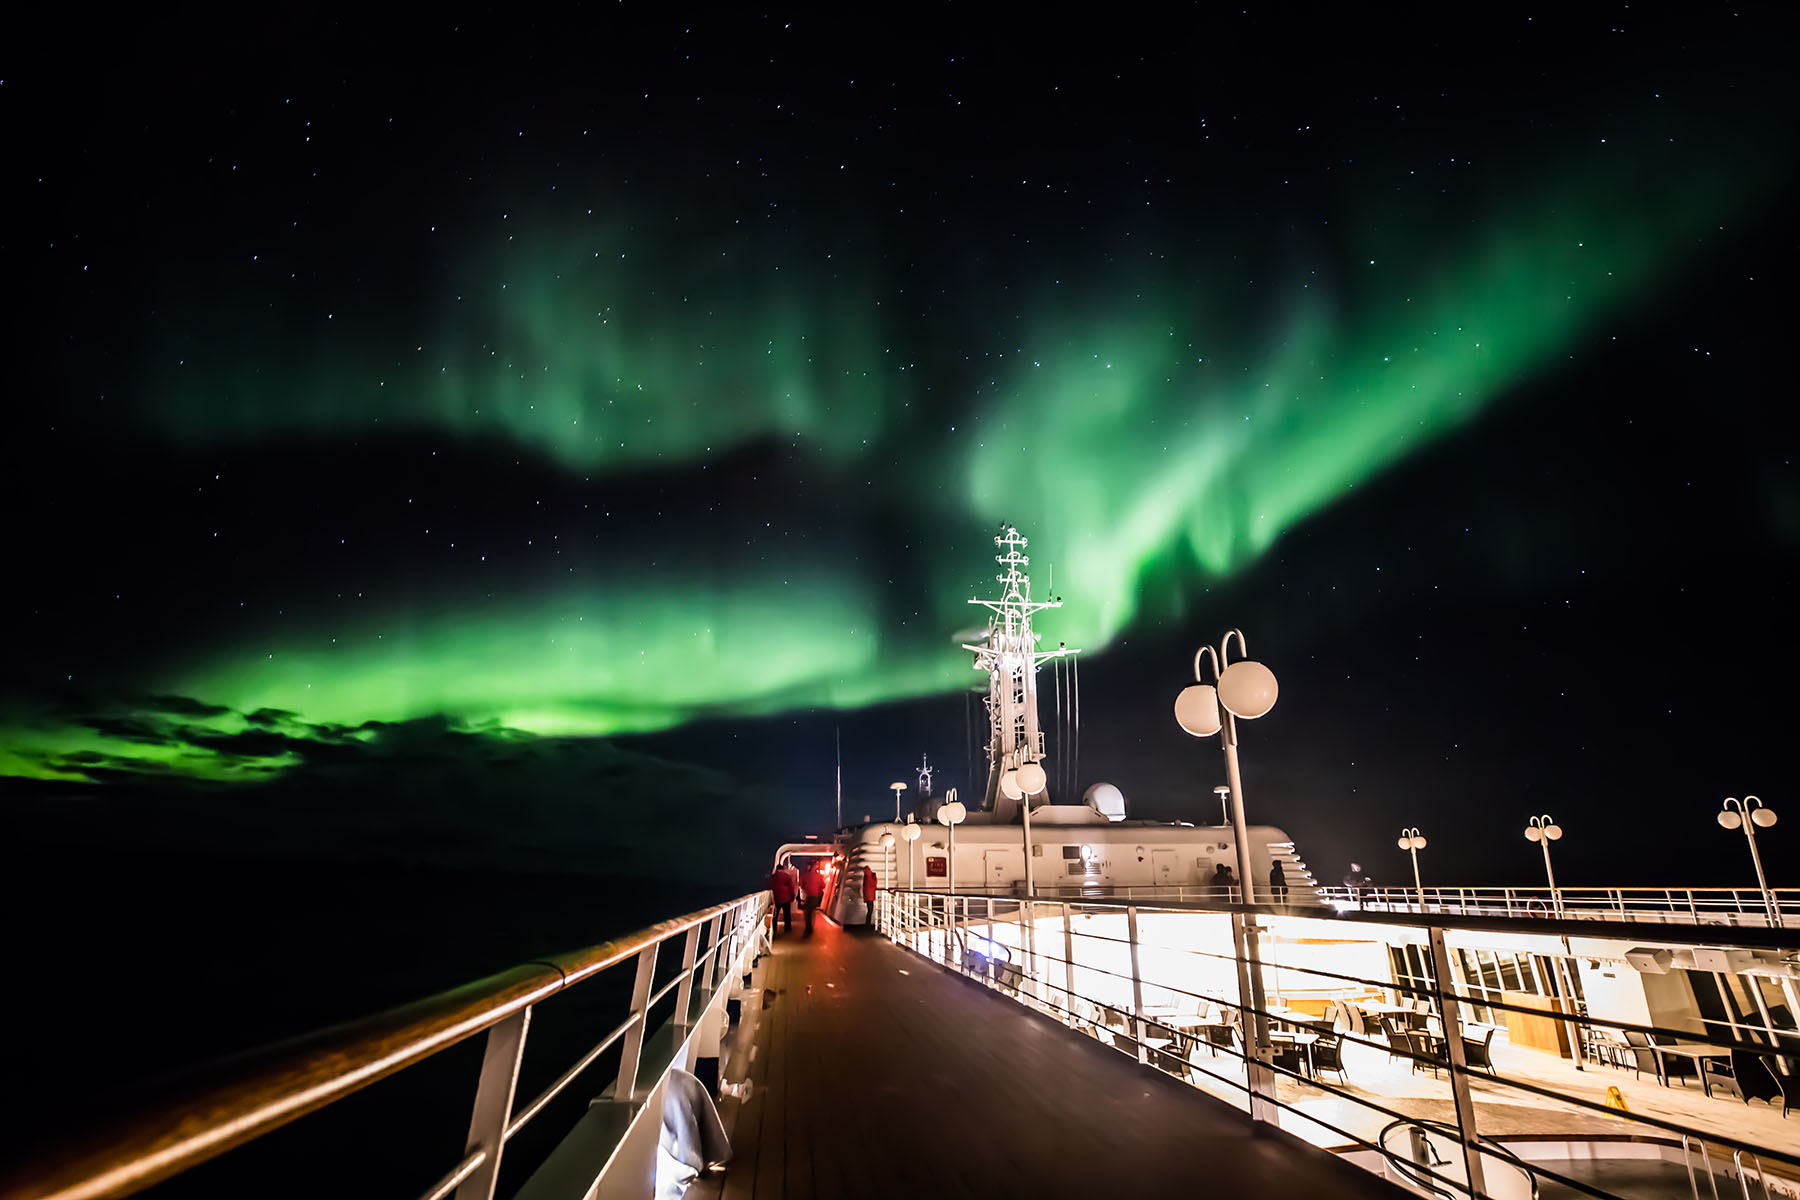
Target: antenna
[(838, 734), (1010, 657), (926, 771)]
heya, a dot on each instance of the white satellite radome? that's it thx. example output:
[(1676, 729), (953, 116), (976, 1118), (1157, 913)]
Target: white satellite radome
[(1106, 800)]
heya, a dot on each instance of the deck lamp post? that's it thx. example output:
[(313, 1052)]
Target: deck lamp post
[(1410, 839), (911, 833), (1762, 815), (1544, 830), (1224, 795), (951, 813), (1243, 689), (896, 788), (1031, 780), (887, 844)]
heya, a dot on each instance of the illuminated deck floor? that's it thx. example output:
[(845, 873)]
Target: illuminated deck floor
[(876, 1073)]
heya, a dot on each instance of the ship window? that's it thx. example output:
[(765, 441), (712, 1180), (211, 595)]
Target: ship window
[(1509, 973), (1071, 851)]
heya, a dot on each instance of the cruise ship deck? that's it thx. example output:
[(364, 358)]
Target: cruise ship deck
[(980, 1044), (875, 1072)]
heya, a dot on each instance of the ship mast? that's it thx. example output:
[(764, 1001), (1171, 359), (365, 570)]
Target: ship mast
[(1010, 656)]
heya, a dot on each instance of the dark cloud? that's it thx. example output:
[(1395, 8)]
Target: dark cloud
[(185, 706), (270, 717), (252, 743), (130, 729)]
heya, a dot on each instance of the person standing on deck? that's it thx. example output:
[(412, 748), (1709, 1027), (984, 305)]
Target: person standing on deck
[(1223, 881), (869, 889), (781, 886), (1278, 883), (1356, 881), (812, 886)]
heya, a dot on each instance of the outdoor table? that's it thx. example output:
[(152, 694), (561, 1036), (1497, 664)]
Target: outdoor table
[(1699, 1054), (1303, 1040), (1180, 1020), (1300, 1020)]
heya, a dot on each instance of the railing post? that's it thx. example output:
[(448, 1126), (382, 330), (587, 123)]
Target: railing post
[(1028, 928), (987, 905), (717, 964), (1451, 1016), (963, 921), (684, 994), (1259, 1080), (1137, 984), (1068, 964), (633, 1046), (494, 1102)]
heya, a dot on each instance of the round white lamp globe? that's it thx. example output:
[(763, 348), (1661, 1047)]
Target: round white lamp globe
[(1247, 689), (1197, 710)]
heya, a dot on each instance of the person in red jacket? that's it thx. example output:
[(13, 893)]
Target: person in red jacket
[(869, 886), (812, 886), (781, 885)]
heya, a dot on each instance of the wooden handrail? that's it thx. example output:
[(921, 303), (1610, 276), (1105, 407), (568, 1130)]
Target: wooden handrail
[(249, 1096)]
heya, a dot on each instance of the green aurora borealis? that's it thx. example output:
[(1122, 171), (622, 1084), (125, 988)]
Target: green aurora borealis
[(1163, 421)]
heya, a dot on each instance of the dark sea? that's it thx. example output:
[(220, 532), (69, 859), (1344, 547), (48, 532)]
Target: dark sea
[(129, 970)]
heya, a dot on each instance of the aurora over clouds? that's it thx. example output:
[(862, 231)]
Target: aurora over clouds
[(695, 395)]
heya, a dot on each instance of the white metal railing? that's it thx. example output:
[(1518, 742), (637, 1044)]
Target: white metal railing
[(1667, 906), (176, 1133), (1120, 987)]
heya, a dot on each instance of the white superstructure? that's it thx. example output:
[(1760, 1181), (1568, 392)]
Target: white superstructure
[(1021, 832)]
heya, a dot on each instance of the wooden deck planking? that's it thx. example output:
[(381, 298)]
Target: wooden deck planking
[(878, 1074)]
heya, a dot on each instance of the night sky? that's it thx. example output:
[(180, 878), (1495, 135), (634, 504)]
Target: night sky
[(530, 442)]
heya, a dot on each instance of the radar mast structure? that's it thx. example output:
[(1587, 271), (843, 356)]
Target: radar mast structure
[(926, 771), (1010, 656)]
